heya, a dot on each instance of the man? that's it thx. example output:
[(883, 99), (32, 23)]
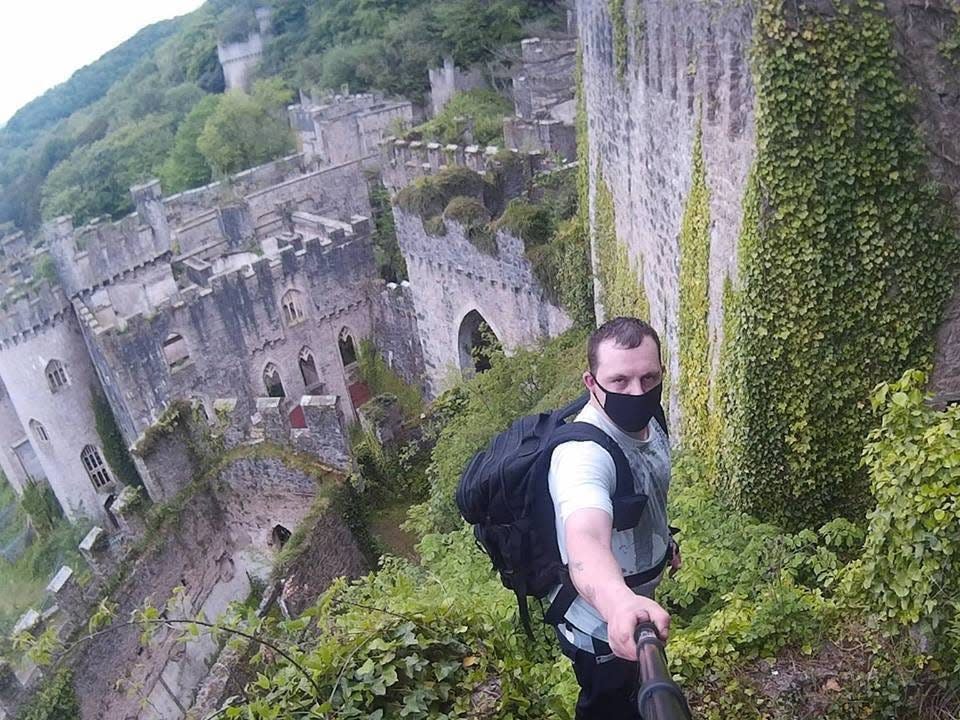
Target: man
[(624, 378)]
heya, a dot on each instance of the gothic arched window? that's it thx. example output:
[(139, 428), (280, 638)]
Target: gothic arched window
[(39, 431), (292, 303), (56, 376), (95, 467)]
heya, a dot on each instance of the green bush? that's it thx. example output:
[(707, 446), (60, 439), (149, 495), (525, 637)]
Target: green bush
[(39, 502), (428, 196), (474, 117), (910, 569), (475, 219), (56, 700), (531, 223)]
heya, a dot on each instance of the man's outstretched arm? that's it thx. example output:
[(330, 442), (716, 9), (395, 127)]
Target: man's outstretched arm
[(598, 578)]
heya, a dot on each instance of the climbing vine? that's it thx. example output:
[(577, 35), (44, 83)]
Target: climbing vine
[(694, 340), (719, 422), (845, 268), (114, 448), (621, 280), (618, 20)]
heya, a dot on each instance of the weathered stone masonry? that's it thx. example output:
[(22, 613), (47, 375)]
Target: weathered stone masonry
[(690, 62)]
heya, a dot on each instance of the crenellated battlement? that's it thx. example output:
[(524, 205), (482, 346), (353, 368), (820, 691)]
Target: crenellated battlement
[(323, 249), (403, 161), (28, 309)]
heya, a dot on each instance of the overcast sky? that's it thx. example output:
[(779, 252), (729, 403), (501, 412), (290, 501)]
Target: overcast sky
[(42, 42)]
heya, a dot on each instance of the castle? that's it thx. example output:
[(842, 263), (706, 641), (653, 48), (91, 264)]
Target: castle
[(259, 286)]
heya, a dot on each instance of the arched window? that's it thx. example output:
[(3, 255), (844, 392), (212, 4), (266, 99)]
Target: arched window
[(292, 303), (308, 369), (95, 467), (272, 381), (39, 431), (175, 351), (56, 376), (348, 351)]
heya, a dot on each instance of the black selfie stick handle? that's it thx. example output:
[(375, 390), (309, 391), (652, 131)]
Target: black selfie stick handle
[(659, 697)]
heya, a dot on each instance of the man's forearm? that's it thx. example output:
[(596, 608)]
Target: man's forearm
[(596, 574)]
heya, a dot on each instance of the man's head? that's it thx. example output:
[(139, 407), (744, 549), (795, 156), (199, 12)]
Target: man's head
[(623, 357)]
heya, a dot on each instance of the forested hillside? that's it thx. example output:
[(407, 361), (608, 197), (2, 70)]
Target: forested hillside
[(141, 109)]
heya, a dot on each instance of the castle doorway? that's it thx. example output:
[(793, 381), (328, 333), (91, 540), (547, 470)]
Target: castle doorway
[(476, 343), (107, 505), (279, 536), (272, 381), (359, 392), (308, 370)]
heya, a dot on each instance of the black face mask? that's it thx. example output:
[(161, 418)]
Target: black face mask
[(631, 413)]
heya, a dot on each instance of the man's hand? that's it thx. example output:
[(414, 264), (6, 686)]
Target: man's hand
[(627, 614)]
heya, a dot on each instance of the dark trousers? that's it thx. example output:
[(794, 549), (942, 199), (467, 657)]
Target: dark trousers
[(608, 688)]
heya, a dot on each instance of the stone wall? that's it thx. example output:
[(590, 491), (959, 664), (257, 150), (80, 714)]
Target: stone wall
[(397, 334), (224, 535), (65, 414), (920, 29), (692, 62), (688, 60), (239, 59), (402, 162), (233, 326), (543, 83), (448, 80), (341, 128), (450, 277)]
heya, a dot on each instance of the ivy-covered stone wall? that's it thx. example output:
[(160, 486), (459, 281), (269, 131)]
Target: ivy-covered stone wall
[(766, 174), (679, 60)]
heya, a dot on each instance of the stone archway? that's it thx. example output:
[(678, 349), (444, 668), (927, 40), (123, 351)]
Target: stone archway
[(476, 343)]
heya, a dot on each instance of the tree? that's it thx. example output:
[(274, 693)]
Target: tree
[(96, 179), (185, 166), (247, 130)]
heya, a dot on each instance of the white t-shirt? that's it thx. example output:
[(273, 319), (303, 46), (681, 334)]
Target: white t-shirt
[(583, 475)]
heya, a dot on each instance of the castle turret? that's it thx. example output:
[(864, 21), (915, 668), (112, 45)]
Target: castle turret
[(48, 378)]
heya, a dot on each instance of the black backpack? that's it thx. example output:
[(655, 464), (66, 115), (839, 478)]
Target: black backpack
[(505, 495)]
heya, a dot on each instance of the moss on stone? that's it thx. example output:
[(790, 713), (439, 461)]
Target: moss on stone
[(621, 280), (694, 340)]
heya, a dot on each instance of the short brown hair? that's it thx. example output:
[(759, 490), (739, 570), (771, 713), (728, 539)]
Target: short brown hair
[(626, 332)]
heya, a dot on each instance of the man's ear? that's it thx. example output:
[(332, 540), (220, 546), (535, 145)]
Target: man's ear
[(589, 382)]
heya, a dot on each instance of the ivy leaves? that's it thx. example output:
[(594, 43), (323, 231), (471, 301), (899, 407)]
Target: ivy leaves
[(843, 271)]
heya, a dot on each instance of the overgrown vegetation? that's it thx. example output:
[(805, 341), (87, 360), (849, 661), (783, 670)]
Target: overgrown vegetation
[(142, 109), (382, 379), (841, 282), (36, 540), (474, 117), (111, 441), (694, 382), (386, 248), (750, 598), (621, 36), (621, 280)]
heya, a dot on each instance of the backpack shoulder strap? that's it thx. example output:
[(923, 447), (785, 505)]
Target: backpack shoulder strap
[(585, 432)]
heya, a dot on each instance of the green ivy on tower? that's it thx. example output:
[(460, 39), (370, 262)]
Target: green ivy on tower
[(694, 340), (621, 281), (844, 269)]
